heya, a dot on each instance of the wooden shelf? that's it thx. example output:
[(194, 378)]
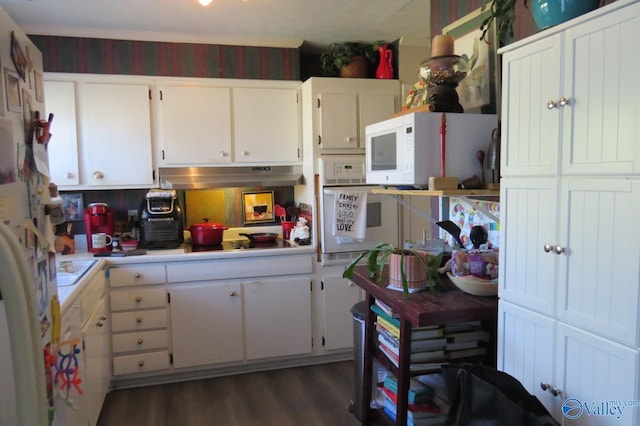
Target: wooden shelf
[(439, 193)]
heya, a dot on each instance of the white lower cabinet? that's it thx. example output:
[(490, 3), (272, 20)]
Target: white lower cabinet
[(218, 317), (97, 354), (206, 323), (338, 297), (70, 404), (277, 317), (574, 373)]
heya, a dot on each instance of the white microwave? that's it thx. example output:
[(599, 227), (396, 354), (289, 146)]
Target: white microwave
[(405, 150)]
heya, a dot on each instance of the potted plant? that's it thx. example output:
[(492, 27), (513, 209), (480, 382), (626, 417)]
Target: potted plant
[(349, 59), (547, 13), (405, 261)]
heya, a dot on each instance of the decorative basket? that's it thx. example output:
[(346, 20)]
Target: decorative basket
[(358, 67)]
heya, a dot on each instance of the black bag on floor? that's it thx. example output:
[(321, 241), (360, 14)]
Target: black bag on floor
[(483, 396)]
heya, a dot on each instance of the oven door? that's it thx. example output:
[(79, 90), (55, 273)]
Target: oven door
[(382, 225)]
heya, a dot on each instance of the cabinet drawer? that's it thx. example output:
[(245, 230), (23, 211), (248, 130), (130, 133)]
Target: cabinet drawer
[(140, 341), (136, 275), (140, 363), (140, 298), (142, 320)]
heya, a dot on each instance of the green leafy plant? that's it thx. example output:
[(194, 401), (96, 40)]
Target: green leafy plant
[(378, 257), (502, 13), (338, 55)]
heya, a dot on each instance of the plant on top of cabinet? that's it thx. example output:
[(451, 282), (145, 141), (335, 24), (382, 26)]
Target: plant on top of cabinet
[(349, 59)]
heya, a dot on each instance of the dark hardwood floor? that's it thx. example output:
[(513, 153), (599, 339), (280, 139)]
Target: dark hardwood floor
[(317, 395)]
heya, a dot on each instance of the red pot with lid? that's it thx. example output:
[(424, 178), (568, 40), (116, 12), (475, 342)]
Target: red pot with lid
[(207, 233)]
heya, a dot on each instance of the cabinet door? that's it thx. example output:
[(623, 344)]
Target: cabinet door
[(593, 374), (206, 323), (63, 152), (373, 107), (195, 125), (525, 349), (528, 223), (598, 271), (98, 361), (531, 131), (600, 133), (339, 296), (277, 317), (266, 125), (338, 120), (116, 134)]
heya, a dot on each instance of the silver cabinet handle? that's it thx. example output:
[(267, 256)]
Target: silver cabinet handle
[(138, 299), (551, 104), (547, 387), (559, 250), (99, 324), (563, 101), (98, 175), (245, 153), (222, 154), (140, 341), (103, 317), (548, 247), (137, 275), (233, 293), (139, 320), (69, 175), (140, 363)]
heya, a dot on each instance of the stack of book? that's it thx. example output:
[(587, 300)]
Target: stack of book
[(465, 340), (427, 343), (421, 410)]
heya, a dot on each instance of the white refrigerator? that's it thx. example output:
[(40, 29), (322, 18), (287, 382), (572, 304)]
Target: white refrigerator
[(29, 315)]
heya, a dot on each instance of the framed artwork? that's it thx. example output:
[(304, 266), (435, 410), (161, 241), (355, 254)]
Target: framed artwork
[(73, 206), (19, 59), (257, 207), (479, 92), (13, 91)]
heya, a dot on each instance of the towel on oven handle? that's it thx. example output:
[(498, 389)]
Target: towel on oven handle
[(350, 216)]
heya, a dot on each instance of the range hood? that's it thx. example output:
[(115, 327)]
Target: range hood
[(224, 177)]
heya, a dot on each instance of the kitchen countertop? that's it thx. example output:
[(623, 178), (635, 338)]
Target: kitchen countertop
[(67, 295)]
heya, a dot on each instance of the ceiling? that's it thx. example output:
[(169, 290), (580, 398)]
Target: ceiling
[(309, 24)]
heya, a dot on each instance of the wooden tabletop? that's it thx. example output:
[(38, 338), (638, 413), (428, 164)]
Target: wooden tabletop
[(448, 306)]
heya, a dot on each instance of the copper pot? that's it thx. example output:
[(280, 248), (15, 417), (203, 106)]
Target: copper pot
[(207, 233)]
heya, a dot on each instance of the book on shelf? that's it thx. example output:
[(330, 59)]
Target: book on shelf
[(386, 308), (465, 353), (419, 410), (415, 357), (474, 334), (426, 367), (418, 391), (415, 346), (393, 326), (429, 421), (462, 326), (456, 346)]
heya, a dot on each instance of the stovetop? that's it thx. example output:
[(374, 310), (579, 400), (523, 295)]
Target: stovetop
[(237, 245)]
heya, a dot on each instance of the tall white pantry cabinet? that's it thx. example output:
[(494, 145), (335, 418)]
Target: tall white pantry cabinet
[(570, 244)]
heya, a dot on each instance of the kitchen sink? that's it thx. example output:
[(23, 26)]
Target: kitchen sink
[(68, 272)]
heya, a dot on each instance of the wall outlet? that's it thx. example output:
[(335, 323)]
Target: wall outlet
[(132, 215)]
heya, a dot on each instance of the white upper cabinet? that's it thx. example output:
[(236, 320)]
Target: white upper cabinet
[(100, 121), (267, 125), (204, 122), (574, 94), (63, 149), (600, 81), (116, 124), (194, 124), (337, 110)]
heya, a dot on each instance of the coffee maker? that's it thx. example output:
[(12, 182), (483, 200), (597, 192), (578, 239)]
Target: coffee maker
[(98, 218), (161, 220)]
